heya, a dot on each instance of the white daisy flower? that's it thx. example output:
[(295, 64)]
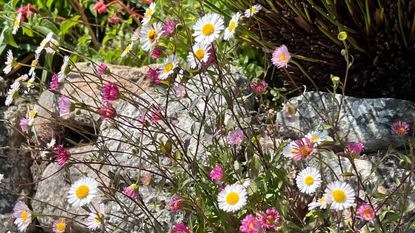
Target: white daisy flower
[(49, 44), (127, 50), (149, 35), (308, 180), (340, 195), (136, 35), (200, 54), (233, 24), (96, 218), (317, 137), (16, 23), (322, 203), (1, 177), (12, 93), (33, 65), (32, 115), (232, 198), (64, 69), (168, 67), (23, 216), (149, 13), (51, 144), (253, 10), (82, 191), (207, 29), (10, 62)]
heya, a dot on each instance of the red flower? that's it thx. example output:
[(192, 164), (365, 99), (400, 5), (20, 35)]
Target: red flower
[(100, 7)]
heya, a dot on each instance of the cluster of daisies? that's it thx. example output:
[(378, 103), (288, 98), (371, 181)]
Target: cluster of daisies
[(80, 194)]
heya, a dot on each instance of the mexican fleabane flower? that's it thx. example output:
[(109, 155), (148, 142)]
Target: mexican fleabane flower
[(168, 67), (317, 137), (10, 62), (110, 92), (269, 219), (321, 203), (23, 216), (354, 149), (107, 112), (253, 10), (236, 137), (250, 224), (49, 44), (33, 65), (281, 57), (64, 69), (96, 218), (149, 13), (150, 35), (127, 50), (232, 198), (366, 212), (102, 69), (62, 155), (340, 195), (54, 82), (300, 149), (65, 107), (216, 174), (131, 191), (168, 27), (82, 191), (59, 225), (156, 53), (24, 124), (308, 180), (176, 203), (259, 87), (154, 75), (208, 28), (16, 23), (199, 55), (233, 24), (12, 93), (180, 228), (401, 128)]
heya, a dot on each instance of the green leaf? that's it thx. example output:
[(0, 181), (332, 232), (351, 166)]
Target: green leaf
[(346, 174), (68, 24), (8, 37)]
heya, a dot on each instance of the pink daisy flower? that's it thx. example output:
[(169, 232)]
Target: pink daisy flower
[(180, 228), (24, 124), (176, 203), (65, 105), (366, 212), (281, 57), (269, 219), (131, 191), (156, 53), (153, 75), (216, 174), (401, 128), (168, 27), (250, 224), (299, 149), (235, 137), (62, 155), (54, 82), (59, 225), (259, 87), (102, 69), (110, 92), (107, 112), (354, 149)]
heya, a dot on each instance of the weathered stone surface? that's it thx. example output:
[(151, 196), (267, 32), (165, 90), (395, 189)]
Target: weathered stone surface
[(52, 190), (361, 120)]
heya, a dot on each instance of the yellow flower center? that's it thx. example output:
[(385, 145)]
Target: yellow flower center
[(168, 67), (367, 213), (99, 218), (232, 25), (322, 201), (152, 34), (282, 57), (32, 114), (200, 54), (309, 180), (232, 198), (339, 195), (401, 131), (34, 62), (82, 191), (16, 22), (128, 49), (24, 215), (208, 29), (253, 10), (314, 138), (149, 13), (61, 226), (304, 151), (270, 219)]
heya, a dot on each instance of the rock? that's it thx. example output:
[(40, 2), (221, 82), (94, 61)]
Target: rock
[(361, 120), (52, 191), (15, 164)]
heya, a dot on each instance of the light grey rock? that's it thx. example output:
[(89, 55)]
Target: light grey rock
[(361, 120)]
